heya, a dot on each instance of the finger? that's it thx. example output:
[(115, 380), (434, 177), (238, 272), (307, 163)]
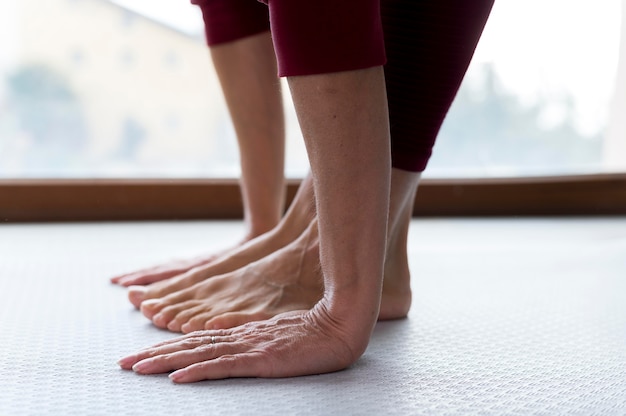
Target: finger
[(184, 342), (174, 360), (225, 366)]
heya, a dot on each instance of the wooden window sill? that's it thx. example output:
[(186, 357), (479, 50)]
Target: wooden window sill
[(26, 200)]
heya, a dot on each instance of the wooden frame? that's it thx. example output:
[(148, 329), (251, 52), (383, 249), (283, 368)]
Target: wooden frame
[(193, 199)]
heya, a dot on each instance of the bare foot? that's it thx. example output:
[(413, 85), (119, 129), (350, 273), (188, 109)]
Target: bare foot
[(286, 280), (167, 270), (296, 220), (396, 297), (243, 255)]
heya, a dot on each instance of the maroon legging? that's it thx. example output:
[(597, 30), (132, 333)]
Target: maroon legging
[(425, 45)]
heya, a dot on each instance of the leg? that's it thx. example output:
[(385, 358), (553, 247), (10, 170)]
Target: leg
[(283, 281), (347, 138), (335, 331), (344, 122), (246, 68), (396, 295), (415, 124), (429, 47), (159, 295), (233, 290), (247, 74)]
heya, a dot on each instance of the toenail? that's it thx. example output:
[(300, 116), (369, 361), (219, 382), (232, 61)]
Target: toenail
[(158, 318), (136, 295), (149, 302)]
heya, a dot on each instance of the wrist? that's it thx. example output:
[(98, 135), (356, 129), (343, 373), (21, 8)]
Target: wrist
[(352, 315)]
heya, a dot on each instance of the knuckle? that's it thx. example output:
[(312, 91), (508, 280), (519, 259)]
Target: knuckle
[(165, 359), (205, 349), (229, 361), (191, 343)]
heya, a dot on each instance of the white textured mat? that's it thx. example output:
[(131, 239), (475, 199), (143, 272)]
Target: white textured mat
[(509, 317)]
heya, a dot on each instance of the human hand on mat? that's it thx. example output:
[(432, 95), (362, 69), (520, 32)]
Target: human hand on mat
[(291, 344)]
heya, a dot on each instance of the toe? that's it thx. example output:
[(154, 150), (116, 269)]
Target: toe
[(174, 316), (187, 328), (174, 326), (196, 323), (160, 320), (136, 295), (151, 307), (233, 319)]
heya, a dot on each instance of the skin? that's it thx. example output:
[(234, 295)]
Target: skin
[(300, 214), (343, 117), (285, 280), (254, 101)]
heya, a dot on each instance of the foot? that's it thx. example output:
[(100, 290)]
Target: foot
[(170, 269), (286, 280), (237, 295), (396, 294), (296, 220), (241, 256), (256, 109)]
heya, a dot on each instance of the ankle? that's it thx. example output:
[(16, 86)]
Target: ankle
[(258, 227)]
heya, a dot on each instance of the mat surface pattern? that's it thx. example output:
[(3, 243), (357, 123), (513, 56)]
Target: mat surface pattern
[(509, 317)]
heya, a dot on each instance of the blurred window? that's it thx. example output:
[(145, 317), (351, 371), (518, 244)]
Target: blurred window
[(91, 98)]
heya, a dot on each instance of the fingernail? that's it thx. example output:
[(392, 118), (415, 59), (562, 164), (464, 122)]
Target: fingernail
[(126, 362), (142, 366), (178, 376)]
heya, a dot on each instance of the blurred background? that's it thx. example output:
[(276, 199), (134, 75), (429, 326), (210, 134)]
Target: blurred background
[(125, 88)]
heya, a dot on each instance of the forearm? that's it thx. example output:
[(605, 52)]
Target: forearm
[(343, 117)]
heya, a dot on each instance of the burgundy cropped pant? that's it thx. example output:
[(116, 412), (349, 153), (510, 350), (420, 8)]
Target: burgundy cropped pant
[(425, 45)]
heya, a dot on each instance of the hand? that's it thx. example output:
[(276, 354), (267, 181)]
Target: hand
[(291, 344)]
